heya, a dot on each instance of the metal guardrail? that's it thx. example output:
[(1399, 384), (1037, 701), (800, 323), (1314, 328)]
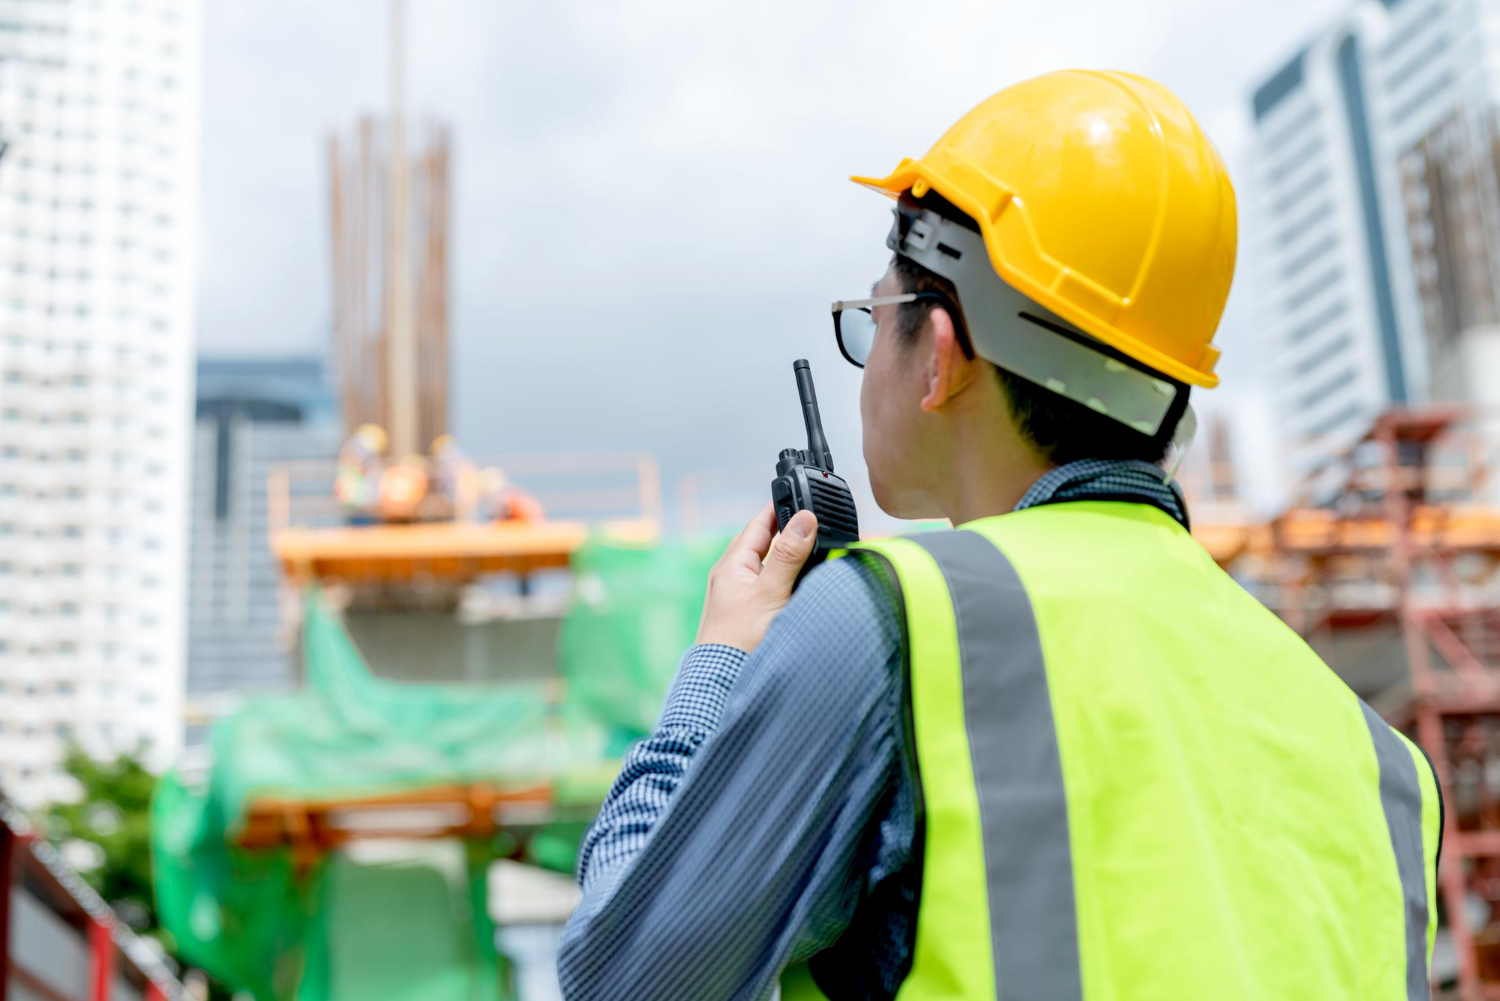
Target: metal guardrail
[(32, 866), (589, 487)]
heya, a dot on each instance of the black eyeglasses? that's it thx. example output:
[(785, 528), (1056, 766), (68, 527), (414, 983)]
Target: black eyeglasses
[(854, 323)]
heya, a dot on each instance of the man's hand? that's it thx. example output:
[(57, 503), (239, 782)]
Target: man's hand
[(753, 579)]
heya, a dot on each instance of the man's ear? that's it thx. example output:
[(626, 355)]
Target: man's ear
[(948, 370)]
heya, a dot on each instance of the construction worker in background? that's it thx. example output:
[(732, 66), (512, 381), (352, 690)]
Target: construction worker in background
[(357, 479), (1055, 753), (403, 490), (458, 479), (500, 500)]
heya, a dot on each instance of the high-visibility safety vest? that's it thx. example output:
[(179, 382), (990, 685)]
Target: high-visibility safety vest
[(1138, 783)]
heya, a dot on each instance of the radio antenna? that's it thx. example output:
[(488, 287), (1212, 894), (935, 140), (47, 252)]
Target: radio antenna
[(817, 445)]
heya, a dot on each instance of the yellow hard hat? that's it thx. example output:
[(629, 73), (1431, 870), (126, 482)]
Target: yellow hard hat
[(373, 435), (1099, 197)]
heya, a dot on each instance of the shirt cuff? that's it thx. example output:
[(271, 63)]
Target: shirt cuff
[(697, 696)]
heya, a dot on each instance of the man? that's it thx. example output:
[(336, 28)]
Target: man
[(1055, 753), (357, 479)]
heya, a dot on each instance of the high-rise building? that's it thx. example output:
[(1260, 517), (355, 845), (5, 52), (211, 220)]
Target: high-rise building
[(253, 414), (98, 227), (1375, 202)]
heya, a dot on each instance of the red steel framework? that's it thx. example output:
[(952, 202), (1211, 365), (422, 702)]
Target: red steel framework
[(1396, 541), (31, 869)]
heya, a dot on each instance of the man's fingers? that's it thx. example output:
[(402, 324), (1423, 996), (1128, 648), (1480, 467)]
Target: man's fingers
[(749, 547), (735, 542), (792, 548)]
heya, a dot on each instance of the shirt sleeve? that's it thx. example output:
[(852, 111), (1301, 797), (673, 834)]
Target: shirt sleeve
[(737, 837)]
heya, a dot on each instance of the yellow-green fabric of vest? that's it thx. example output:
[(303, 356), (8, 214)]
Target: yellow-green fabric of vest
[(1138, 783)]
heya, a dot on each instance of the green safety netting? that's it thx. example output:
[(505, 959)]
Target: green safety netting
[(635, 610), (333, 931)]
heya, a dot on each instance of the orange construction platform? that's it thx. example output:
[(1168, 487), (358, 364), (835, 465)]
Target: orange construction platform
[(446, 550)]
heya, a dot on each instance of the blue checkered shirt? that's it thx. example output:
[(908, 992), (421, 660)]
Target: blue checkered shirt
[(772, 816)]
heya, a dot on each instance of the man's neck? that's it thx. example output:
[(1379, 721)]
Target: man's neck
[(991, 478)]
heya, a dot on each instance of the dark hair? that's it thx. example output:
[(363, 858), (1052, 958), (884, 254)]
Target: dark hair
[(1060, 429)]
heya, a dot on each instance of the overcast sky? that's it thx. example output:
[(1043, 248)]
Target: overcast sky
[(651, 211)]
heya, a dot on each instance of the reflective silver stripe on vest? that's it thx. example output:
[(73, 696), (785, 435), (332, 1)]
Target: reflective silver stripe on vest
[(1401, 799), (1013, 745)]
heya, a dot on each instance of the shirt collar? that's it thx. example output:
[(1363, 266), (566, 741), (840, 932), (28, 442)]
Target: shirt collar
[(1132, 480)]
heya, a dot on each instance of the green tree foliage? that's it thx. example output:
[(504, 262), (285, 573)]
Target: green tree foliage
[(105, 835)]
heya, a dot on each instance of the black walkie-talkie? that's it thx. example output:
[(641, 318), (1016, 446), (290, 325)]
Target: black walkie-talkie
[(805, 480)]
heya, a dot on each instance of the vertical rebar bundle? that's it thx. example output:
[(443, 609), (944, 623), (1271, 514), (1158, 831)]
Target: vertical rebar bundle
[(381, 372)]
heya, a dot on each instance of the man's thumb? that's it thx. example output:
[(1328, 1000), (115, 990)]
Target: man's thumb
[(792, 547)]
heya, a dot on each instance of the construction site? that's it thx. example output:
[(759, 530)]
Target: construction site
[(479, 642), (471, 685), (467, 646)]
